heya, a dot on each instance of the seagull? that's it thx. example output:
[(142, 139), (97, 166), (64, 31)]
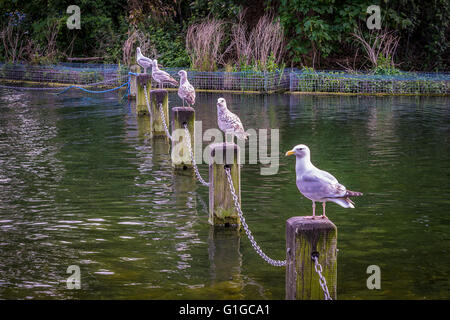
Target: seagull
[(229, 122), (318, 185), (186, 91), (143, 61), (161, 76)]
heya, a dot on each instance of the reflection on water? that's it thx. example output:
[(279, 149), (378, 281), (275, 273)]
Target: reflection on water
[(82, 182)]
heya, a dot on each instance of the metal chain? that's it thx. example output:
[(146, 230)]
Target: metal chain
[(194, 164), (148, 104), (276, 263), (163, 118), (322, 281)]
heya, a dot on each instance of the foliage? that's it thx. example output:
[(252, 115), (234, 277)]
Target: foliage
[(219, 9), (169, 43), (380, 47), (203, 43), (385, 66), (262, 47), (317, 27), (13, 36), (258, 66), (322, 29), (316, 33)]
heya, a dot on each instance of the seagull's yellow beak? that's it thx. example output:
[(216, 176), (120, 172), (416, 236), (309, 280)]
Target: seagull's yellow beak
[(290, 153)]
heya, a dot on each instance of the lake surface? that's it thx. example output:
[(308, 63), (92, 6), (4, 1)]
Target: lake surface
[(82, 183)]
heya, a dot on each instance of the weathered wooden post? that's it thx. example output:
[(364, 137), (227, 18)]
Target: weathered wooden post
[(222, 211), (133, 80), (181, 116), (157, 97), (143, 81), (304, 237)]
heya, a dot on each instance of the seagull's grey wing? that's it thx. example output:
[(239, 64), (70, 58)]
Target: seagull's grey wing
[(233, 122), (144, 62), (162, 76), (189, 93), (326, 175), (320, 184)]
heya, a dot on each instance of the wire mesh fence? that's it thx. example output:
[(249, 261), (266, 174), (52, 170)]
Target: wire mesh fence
[(293, 80), (237, 81), (63, 74), (340, 82)]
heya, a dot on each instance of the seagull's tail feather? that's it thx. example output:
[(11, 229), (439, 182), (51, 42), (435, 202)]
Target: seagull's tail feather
[(343, 202), (172, 81), (242, 135), (353, 194)]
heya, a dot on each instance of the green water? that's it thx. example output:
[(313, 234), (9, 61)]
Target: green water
[(81, 183)]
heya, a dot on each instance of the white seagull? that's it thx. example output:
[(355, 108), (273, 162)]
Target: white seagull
[(186, 91), (161, 76), (318, 185), (143, 61), (229, 122)]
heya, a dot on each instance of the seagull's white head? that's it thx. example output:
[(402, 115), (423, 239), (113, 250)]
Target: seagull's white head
[(221, 103), (300, 151), (155, 63), (182, 74), (138, 50)]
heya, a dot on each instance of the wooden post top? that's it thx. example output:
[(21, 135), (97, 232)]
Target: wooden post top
[(308, 223), (183, 109), (183, 114), (227, 152), (308, 228), (144, 78), (159, 95)]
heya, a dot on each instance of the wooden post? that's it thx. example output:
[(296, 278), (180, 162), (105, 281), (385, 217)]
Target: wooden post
[(305, 236), (181, 157), (156, 97), (133, 83), (141, 105), (222, 211)]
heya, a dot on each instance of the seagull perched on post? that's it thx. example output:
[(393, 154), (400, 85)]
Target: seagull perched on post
[(161, 76), (186, 91), (318, 185), (143, 61), (229, 122)]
